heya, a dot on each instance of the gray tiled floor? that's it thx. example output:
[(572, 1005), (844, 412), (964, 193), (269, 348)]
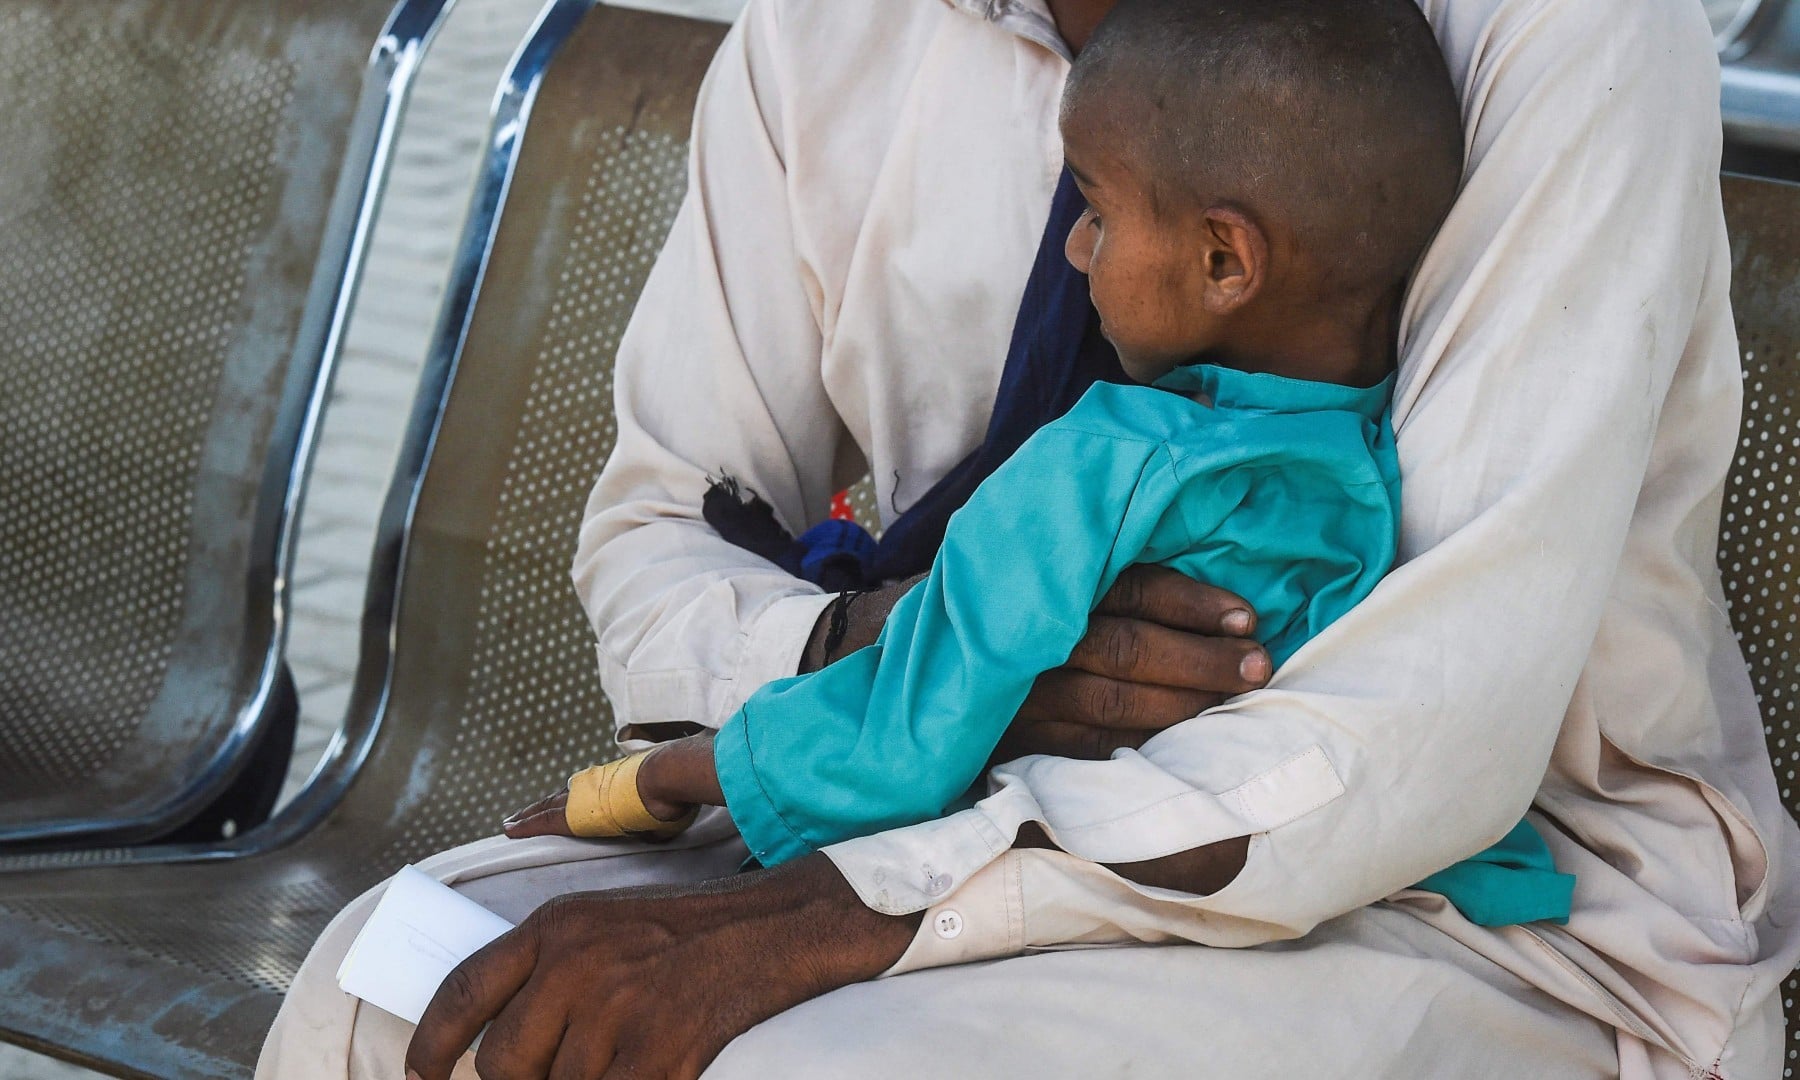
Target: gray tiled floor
[(16, 1064)]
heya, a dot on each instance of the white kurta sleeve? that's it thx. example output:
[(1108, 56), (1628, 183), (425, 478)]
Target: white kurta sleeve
[(718, 373), (1541, 336)]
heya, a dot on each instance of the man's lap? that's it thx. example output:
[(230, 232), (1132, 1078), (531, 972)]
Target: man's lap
[(1373, 994)]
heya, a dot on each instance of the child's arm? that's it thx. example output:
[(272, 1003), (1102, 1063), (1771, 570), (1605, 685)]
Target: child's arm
[(896, 732), (672, 780), (678, 776)]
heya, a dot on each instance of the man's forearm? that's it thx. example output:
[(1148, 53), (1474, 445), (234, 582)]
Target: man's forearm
[(1200, 871)]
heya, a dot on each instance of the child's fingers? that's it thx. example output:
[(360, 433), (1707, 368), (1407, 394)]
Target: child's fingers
[(552, 821), (539, 807), (547, 815)]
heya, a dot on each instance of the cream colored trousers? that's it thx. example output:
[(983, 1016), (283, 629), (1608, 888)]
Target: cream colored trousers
[(1376, 993)]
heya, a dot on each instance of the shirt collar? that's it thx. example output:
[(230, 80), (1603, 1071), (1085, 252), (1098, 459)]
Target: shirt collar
[(1259, 392), (1028, 19)]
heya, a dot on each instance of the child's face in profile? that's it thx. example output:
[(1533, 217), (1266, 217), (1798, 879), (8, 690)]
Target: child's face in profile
[(1146, 271)]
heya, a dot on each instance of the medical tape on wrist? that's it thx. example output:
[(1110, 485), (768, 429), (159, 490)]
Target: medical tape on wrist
[(604, 802)]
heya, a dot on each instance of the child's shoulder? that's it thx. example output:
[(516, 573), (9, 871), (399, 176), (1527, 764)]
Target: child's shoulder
[(1139, 413), (1134, 413), (1202, 438)]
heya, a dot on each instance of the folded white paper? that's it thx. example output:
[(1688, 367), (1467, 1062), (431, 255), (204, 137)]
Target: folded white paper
[(420, 931)]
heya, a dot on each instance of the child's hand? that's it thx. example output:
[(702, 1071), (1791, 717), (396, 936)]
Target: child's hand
[(546, 817), (1160, 648), (628, 797)]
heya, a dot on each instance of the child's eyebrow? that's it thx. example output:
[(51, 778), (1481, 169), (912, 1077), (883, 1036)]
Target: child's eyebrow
[(1080, 177)]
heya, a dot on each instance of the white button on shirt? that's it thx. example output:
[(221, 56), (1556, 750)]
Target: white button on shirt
[(868, 188)]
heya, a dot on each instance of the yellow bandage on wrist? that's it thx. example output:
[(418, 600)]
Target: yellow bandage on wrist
[(604, 801)]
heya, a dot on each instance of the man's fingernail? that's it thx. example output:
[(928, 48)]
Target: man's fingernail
[(1236, 622), (1254, 667), (410, 1075)]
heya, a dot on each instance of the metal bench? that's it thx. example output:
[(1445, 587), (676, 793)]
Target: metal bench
[(173, 964), (1759, 535), (186, 188), (176, 970)]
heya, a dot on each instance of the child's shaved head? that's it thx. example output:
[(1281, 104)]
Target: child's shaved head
[(1331, 122)]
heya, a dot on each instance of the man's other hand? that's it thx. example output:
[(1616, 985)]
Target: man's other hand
[(1159, 649), (653, 981)]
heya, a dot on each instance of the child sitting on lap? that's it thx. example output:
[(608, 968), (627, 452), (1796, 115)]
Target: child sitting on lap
[(1262, 176)]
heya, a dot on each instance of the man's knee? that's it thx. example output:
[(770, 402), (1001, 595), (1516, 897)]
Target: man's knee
[(786, 1046), (864, 1030)]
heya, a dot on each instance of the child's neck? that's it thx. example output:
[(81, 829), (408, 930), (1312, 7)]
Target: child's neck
[(1315, 345)]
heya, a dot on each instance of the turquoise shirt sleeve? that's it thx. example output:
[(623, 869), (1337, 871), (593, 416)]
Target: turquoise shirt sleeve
[(1513, 882), (892, 734)]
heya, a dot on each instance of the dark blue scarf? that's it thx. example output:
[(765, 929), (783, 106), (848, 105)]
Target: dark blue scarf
[(1056, 353)]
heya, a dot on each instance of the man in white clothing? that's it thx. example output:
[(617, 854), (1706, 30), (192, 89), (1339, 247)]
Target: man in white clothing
[(868, 186)]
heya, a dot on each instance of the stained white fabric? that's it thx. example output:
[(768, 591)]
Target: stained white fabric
[(867, 190), (1367, 997)]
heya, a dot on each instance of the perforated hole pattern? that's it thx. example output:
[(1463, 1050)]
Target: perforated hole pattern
[(535, 709), (253, 937), (1759, 557), (533, 664), (133, 185), (864, 507)]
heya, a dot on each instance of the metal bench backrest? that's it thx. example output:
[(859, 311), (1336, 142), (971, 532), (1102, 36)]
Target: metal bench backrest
[(183, 186), (491, 690), (1759, 536)]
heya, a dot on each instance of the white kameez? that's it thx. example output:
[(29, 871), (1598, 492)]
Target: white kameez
[(868, 187)]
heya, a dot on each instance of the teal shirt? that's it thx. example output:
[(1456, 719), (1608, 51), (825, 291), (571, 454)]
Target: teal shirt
[(1283, 491)]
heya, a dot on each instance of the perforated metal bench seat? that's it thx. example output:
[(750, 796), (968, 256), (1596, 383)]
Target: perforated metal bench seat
[(184, 187), (177, 970)]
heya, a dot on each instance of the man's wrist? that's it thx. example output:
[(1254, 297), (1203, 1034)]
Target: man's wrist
[(842, 629), (852, 621), (813, 657), (847, 940)]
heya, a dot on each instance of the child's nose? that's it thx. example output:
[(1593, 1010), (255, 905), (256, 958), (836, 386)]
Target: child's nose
[(1079, 247)]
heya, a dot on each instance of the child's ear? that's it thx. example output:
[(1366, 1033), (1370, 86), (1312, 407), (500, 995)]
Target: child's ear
[(1236, 253)]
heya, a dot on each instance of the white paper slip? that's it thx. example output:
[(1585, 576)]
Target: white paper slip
[(420, 931)]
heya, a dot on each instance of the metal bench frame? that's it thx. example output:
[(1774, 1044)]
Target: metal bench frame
[(392, 65), (216, 929), (367, 709)]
